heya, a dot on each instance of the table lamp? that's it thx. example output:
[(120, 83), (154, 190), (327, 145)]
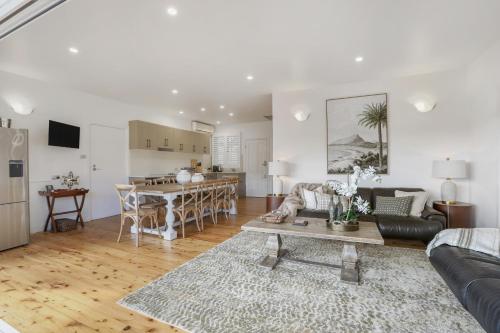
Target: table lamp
[(449, 170), (278, 168)]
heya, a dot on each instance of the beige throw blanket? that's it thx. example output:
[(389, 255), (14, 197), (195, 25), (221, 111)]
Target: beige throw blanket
[(294, 201), (485, 240)]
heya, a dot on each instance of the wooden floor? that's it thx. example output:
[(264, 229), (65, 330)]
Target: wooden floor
[(70, 282)]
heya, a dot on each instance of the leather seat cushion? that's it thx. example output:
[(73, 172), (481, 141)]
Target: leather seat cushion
[(483, 302), (319, 214), (459, 267), (408, 227)]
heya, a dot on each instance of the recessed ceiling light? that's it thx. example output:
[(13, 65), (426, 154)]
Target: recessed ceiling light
[(249, 77), (231, 114), (73, 50), (181, 112), (175, 91), (203, 109), (358, 59), (172, 11), (221, 107), (218, 122)]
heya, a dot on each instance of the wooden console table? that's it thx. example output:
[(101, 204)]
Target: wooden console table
[(51, 199)]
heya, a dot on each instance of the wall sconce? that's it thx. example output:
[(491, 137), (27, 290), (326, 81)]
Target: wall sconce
[(22, 109), (301, 115), (422, 106)]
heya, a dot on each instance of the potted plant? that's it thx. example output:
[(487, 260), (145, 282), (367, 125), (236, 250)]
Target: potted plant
[(348, 220)]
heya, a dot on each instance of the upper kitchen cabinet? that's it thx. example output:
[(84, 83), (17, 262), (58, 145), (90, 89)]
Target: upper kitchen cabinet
[(204, 143), (183, 141), (144, 135), (166, 136)]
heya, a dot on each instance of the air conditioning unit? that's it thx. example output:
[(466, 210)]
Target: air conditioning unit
[(202, 127)]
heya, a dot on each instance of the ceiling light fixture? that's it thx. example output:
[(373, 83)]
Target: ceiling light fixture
[(231, 114), (358, 59), (249, 77), (221, 107), (203, 109), (181, 112), (73, 50), (172, 11), (218, 122), (175, 91)]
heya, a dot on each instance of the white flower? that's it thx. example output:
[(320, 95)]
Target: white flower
[(362, 205)]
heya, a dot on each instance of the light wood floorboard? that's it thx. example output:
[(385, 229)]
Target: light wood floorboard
[(70, 282)]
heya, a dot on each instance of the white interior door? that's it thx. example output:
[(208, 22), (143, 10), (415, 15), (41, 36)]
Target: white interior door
[(108, 166), (256, 155)]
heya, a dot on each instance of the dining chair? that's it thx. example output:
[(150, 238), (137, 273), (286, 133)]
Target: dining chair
[(152, 201), (233, 190), (188, 204), (221, 198), (206, 201), (130, 208)]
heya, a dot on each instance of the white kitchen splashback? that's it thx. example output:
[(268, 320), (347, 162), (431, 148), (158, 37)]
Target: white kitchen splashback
[(148, 162)]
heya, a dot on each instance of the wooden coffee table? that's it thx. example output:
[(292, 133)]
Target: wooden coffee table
[(349, 270)]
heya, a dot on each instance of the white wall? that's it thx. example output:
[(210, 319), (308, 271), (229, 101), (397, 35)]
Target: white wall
[(454, 129), (148, 162), (76, 108), (483, 89), (249, 131)]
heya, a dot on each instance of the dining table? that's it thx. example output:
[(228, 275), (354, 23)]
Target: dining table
[(170, 192)]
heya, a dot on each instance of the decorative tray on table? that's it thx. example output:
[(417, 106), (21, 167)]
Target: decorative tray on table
[(275, 216)]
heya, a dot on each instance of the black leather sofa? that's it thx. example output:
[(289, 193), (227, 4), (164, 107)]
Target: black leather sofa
[(474, 278), (422, 228)]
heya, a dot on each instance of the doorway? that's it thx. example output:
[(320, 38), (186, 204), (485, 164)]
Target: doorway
[(108, 166), (256, 156)]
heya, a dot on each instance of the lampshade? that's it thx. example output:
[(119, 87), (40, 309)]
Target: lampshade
[(278, 168), (449, 169)]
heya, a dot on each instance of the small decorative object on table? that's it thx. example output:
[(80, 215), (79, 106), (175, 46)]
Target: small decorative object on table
[(70, 180), (276, 217), (197, 177), (183, 177), (348, 221)]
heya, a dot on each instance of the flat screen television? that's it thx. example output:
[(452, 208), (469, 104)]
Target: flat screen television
[(63, 135)]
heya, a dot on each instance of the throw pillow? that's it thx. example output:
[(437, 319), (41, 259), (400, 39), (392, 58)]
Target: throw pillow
[(323, 200), (419, 201), (393, 206), (309, 199)]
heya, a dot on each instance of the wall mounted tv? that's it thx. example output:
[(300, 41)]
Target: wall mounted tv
[(63, 135)]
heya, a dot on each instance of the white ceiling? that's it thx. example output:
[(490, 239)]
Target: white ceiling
[(134, 52)]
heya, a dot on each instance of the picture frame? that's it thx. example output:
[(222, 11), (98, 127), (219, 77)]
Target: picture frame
[(357, 133)]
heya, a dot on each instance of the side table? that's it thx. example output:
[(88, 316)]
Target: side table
[(274, 201), (458, 215), (51, 198)]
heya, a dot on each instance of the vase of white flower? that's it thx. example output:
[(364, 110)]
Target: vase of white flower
[(348, 220)]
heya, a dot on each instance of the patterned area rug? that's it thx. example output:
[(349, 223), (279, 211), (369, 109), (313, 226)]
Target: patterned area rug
[(225, 290)]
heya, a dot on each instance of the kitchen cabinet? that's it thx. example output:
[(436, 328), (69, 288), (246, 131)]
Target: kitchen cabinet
[(149, 136), (166, 137), (142, 135), (183, 141)]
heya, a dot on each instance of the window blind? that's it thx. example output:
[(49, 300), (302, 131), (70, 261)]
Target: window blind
[(226, 151)]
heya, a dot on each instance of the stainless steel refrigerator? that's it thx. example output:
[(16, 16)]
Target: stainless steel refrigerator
[(14, 195)]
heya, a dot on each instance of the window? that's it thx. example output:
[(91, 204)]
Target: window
[(226, 151)]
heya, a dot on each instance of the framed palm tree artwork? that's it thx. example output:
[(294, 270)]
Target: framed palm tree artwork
[(357, 133)]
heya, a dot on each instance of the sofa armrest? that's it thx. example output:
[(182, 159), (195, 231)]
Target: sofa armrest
[(430, 214)]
